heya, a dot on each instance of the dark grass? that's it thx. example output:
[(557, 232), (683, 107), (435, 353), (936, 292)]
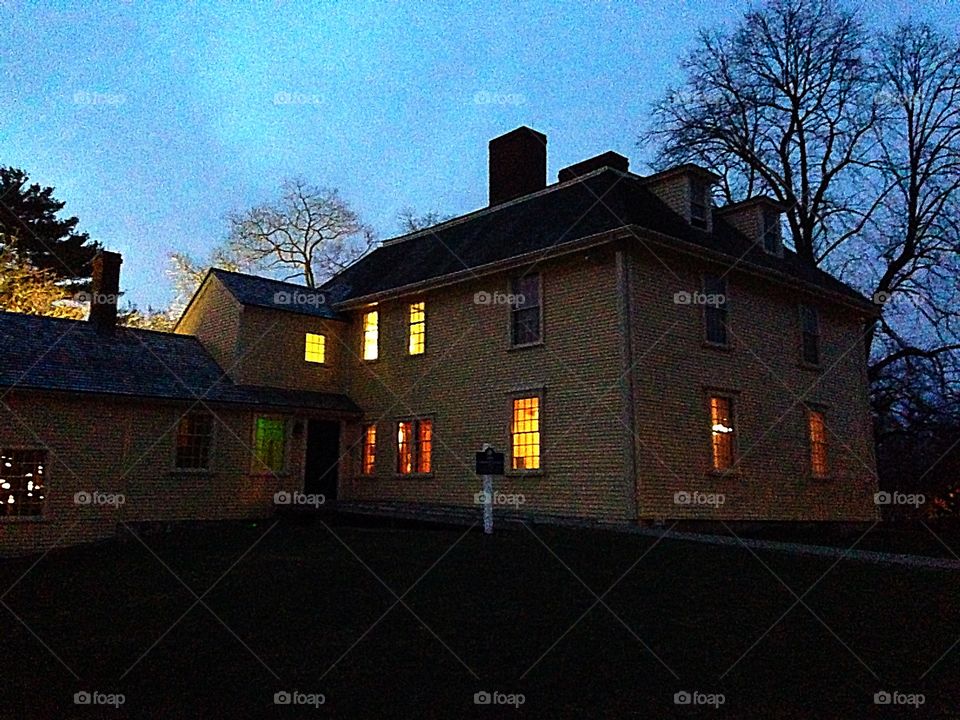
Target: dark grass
[(300, 599)]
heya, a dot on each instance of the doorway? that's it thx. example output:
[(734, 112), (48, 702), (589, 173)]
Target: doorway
[(321, 471)]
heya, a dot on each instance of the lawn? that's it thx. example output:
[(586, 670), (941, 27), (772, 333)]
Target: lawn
[(289, 604)]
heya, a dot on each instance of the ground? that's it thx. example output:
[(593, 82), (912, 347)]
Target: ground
[(306, 608)]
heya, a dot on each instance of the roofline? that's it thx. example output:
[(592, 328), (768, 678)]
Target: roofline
[(196, 293), (755, 200), (681, 169)]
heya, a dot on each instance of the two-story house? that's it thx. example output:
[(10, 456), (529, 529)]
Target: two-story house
[(637, 353)]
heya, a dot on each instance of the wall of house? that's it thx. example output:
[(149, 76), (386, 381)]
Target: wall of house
[(121, 446), (214, 318), (675, 370), (468, 376)]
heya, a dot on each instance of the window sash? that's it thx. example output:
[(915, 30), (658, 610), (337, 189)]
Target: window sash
[(270, 444), (715, 316), (525, 434), (819, 463), (418, 328), (525, 313), (194, 440), (315, 350), (369, 459), (371, 335), (424, 448), (22, 489), (810, 334), (771, 231), (722, 432), (698, 204)]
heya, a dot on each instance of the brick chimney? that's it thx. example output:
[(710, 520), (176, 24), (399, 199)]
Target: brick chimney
[(105, 291), (518, 164), (608, 159)]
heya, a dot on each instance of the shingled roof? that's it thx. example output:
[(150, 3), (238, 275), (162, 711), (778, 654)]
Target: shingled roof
[(600, 202), (68, 355), (275, 294)]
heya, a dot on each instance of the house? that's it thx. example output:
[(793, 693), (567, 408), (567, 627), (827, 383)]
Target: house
[(637, 353)]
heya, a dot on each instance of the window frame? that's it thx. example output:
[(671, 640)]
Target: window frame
[(259, 468), (210, 449), (732, 397), (415, 458), (513, 310), (363, 449), (725, 310), (373, 310), (31, 517), (804, 361), (704, 187), (767, 213), (809, 411), (411, 324), (539, 394), (306, 349)]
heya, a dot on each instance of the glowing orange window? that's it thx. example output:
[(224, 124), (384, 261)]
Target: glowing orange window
[(722, 432), (818, 444), (525, 434)]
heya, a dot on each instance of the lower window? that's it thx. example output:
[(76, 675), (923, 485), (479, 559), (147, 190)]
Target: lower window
[(21, 482), (270, 444), (722, 433), (414, 447), (194, 438), (525, 434), (819, 465), (369, 459)]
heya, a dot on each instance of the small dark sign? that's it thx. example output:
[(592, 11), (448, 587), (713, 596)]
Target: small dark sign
[(490, 462)]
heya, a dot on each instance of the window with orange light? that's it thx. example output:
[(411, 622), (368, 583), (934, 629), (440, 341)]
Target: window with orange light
[(525, 434), (414, 447), (418, 328), (722, 433), (819, 465), (371, 335), (369, 449), (22, 482)]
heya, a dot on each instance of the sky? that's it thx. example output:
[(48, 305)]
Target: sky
[(153, 121)]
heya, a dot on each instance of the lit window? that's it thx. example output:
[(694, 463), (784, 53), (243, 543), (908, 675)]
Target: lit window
[(810, 334), (771, 231), (371, 335), (818, 444), (22, 482), (715, 308), (270, 444), (316, 351), (414, 446), (418, 327), (525, 310), (699, 204), (525, 434), (722, 432), (369, 449), (194, 438)]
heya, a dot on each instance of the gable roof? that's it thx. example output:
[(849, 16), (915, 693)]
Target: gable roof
[(69, 355), (601, 202), (275, 294)]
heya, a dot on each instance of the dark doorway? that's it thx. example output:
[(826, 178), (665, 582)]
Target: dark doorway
[(323, 458)]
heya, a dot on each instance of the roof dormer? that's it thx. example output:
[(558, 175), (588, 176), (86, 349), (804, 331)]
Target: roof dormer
[(759, 218), (687, 190)]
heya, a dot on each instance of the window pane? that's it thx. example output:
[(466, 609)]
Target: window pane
[(810, 334), (194, 437), (721, 432), (715, 311), (405, 447), (771, 231), (525, 434), (418, 327), (818, 444), (22, 482), (369, 449), (425, 446), (271, 440), (316, 349), (371, 335)]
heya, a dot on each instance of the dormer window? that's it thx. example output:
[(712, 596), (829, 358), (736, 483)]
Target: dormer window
[(770, 231), (699, 203)]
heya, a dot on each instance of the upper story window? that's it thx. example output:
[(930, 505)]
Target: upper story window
[(819, 465), (371, 335), (525, 316), (316, 348), (270, 444), (22, 482), (699, 203), (525, 434), (722, 433), (414, 446), (369, 459), (194, 440), (418, 328), (770, 231), (715, 309), (810, 334)]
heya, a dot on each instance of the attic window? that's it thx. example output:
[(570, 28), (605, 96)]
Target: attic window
[(771, 232), (699, 203), (22, 482)]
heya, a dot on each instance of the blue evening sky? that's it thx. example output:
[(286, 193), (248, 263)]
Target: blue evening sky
[(154, 120)]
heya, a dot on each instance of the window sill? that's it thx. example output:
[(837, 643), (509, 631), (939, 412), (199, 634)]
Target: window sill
[(804, 365), (724, 475), (723, 347), (524, 474), (411, 476), (525, 346)]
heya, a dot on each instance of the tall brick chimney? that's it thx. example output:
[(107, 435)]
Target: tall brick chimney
[(105, 291), (518, 164)]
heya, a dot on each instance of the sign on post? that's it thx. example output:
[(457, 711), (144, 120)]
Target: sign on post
[(489, 463)]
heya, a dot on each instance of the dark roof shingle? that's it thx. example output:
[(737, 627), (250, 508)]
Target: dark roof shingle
[(276, 295)]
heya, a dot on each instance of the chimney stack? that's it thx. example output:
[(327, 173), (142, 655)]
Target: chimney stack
[(105, 291), (518, 164), (608, 159)]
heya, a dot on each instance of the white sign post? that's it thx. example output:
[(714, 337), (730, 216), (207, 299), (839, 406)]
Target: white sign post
[(488, 504), (489, 463)]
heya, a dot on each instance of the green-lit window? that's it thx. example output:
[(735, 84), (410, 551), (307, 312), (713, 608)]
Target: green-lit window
[(270, 444), (316, 348)]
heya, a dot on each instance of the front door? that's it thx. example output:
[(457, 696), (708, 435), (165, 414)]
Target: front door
[(323, 458)]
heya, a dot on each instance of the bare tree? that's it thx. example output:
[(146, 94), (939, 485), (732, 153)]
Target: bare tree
[(308, 235), (410, 221)]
